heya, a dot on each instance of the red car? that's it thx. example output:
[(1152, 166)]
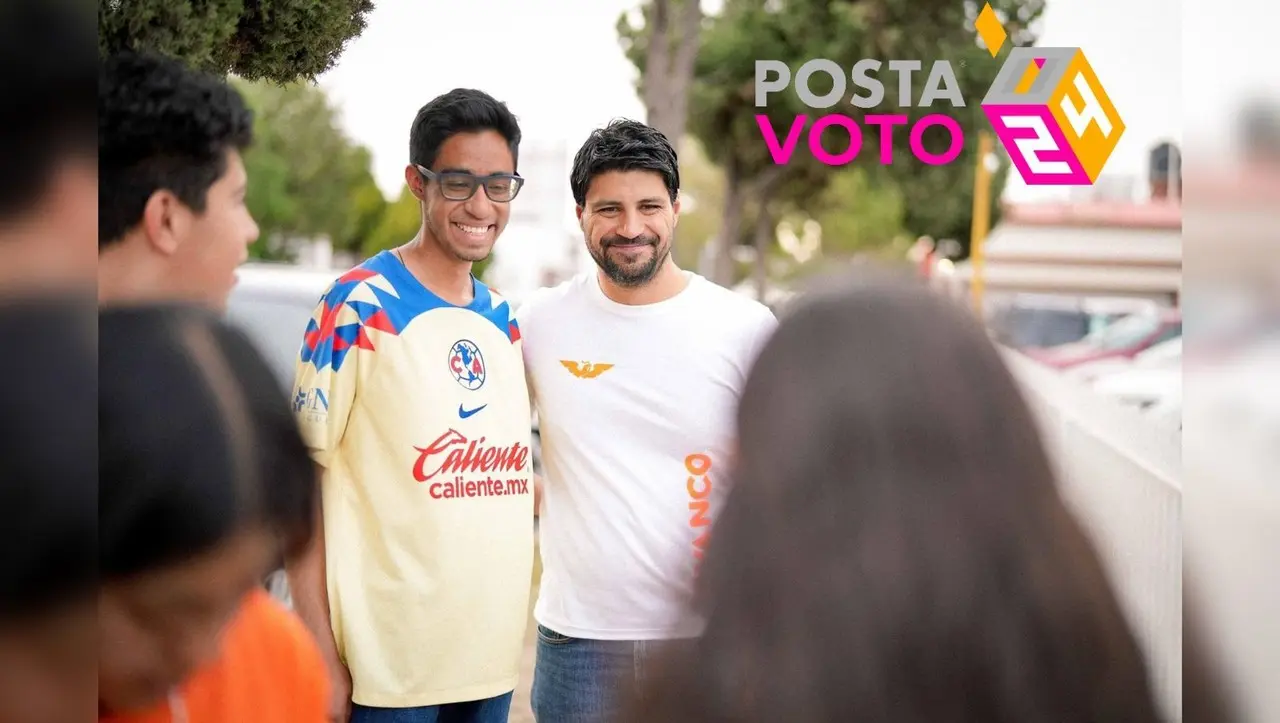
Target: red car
[(1122, 339)]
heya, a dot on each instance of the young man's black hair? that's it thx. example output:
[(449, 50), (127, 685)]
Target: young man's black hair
[(48, 51), (161, 125), (624, 145), (461, 110)]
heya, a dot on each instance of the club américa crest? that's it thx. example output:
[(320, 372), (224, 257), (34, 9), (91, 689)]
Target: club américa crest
[(466, 364)]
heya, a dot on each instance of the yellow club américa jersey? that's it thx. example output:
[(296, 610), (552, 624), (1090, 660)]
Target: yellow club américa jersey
[(419, 412)]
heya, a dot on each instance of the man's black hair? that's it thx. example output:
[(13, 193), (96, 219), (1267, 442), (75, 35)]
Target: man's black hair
[(624, 145), (48, 51), (196, 442), (161, 125), (461, 110)]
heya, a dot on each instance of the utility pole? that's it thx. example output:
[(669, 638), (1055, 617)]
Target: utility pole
[(981, 219)]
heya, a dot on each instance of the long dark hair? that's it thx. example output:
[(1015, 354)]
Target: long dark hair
[(894, 549), (196, 441)]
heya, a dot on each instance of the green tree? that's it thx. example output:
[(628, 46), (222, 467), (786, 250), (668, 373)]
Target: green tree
[(702, 191), (306, 178), (856, 213), (269, 200), (723, 112), (669, 46), (939, 199), (278, 40), (366, 204), (399, 223)]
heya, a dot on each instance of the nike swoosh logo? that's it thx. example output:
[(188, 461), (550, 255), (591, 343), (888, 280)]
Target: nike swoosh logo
[(464, 413)]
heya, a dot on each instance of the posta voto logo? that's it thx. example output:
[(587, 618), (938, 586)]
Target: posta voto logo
[(1049, 110), (1046, 106)]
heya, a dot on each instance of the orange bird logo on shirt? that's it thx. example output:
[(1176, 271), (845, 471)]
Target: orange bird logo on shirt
[(585, 370)]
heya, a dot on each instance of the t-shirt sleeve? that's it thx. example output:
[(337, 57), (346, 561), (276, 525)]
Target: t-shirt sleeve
[(765, 323), (326, 376), (515, 331)]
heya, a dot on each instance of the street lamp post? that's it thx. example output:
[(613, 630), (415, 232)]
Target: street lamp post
[(981, 218)]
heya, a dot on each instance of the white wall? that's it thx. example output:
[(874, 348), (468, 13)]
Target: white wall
[(1122, 472)]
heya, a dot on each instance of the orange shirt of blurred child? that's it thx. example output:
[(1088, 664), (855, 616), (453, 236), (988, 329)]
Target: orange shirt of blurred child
[(270, 671)]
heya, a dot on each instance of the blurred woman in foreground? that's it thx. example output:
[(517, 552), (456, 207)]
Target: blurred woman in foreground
[(894, 549), (202, 477)]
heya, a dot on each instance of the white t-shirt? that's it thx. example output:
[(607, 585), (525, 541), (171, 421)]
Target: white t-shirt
[(636, 407)]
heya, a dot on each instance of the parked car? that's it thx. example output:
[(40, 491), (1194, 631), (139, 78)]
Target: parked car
[(1123, 339), (1045, 320), (1151, 381), (273, 304), (1159, 355)]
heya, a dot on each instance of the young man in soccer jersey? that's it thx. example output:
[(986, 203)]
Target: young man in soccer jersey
[(635, 371), (411, 394)]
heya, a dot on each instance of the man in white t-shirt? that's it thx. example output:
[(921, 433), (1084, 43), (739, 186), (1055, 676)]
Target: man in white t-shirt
[(635, 371)]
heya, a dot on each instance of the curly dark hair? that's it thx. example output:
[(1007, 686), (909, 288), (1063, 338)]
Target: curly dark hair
[(48, 113), (624, 145), (161, 125), (461, 110)]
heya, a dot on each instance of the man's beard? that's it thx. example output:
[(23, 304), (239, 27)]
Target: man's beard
[(631, 275)]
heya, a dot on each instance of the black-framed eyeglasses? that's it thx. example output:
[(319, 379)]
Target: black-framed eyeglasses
[(460, 186)]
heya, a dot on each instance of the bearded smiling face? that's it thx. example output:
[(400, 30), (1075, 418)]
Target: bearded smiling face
[(628, 221)]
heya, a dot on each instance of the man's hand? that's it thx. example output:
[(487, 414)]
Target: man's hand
[(339, 693), (537, 494), (308, 586)]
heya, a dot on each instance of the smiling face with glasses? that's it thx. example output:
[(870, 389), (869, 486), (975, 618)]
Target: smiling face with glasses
[(461, 185), (463, 222)]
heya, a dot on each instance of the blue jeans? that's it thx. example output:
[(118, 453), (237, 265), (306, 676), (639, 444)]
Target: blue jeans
[(585, 681), (489, 710)]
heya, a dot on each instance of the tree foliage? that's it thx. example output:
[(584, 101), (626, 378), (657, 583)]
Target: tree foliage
[(665, 44), (306, 178), (702, 195), (399, 223), (278, 40), (857, 213), (722, 111)]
